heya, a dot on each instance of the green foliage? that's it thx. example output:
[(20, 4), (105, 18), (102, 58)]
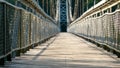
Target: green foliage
[(98, 1), (90, 3), (12, 1)]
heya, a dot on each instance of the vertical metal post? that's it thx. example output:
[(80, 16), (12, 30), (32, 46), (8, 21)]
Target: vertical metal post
[(4, 29), (19, 44), (6, 23), (2, 59)]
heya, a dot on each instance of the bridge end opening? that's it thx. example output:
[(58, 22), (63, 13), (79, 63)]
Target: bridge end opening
[(63, 27)]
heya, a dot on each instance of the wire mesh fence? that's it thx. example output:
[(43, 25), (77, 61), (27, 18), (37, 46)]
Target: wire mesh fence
[(104, 30), (21, 30)]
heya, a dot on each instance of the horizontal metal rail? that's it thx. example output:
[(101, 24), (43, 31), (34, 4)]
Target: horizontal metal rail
[(104, 30), (41, 11), (22, 30), (97, 8)]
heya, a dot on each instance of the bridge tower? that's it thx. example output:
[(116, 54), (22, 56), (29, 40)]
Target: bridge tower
[(63, 16)]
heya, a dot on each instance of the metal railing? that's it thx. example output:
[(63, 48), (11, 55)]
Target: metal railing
[(103, 30), (21, 30)]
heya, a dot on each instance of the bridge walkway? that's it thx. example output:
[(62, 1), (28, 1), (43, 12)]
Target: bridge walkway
[(65, 50)]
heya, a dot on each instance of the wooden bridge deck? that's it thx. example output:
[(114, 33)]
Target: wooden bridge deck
[(65, 51)]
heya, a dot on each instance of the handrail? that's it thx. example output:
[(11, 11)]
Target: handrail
[(46, 22), (41, 10), (102, 30), (98, 7)]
